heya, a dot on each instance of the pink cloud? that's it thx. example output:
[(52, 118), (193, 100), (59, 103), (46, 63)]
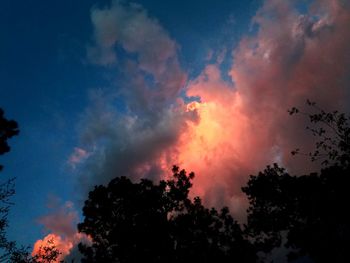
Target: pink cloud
[(78, 156), (233, 130), (245, 126), (61, 225)]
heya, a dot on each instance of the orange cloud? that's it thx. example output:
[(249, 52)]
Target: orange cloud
[(64, 245), (219, 147), (244, 126), (61, 224)]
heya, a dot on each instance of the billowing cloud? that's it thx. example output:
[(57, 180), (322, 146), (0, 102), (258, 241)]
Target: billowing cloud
[(137, 137), (61, 225), (245, 126), (292, 58), (233, 128), (128, 27)]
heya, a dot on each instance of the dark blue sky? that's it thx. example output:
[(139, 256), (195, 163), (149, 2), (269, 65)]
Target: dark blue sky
[(45, 79)]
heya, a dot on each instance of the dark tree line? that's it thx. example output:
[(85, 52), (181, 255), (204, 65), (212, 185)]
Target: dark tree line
[(147, 222), (311, 211)]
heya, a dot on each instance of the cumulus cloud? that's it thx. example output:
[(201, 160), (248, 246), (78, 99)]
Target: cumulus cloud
[(234, 128), (245, 126), (135, 139), (293, 57), (129, 27), (61, 226)]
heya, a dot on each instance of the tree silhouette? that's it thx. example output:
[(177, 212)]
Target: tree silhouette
[(8, 129), (311, 211), (46, 254), (332, 131), (147, 222), (9, 251)]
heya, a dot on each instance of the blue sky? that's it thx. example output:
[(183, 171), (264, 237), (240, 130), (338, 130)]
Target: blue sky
[(46, 78)]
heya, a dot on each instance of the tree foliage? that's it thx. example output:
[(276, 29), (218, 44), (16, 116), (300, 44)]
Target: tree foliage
[(135, 222), (332, 131), (311, 211), (8, 129), (46, 254)]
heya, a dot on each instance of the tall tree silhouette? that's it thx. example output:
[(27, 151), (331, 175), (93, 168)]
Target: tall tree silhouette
[(8, 129), (9, 251), (147, 222), (312, 211)]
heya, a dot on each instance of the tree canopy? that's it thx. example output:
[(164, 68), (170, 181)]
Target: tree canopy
[(8, 129), (311, 211), (134, 222)]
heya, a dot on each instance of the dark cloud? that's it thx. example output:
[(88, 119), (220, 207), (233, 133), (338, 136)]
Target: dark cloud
[(137, 140)]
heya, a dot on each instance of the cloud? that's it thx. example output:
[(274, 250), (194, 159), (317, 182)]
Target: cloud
[(233, 129), (78, 156), (126, 144), (245, 126), (136, 138), (67, 247), (293, 57), (62, 221), (129, 27), (61, 225)]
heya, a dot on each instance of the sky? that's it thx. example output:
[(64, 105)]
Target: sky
[(108, 88)]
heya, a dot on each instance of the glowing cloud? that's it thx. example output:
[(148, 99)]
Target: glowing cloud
[(63, 236), (234, 128), (245, 126)]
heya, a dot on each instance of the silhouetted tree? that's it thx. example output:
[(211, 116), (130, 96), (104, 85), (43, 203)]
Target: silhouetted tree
[(311, 211), (332, 131), (147, 222), (8, 129), (9, 251), (46, 254)]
